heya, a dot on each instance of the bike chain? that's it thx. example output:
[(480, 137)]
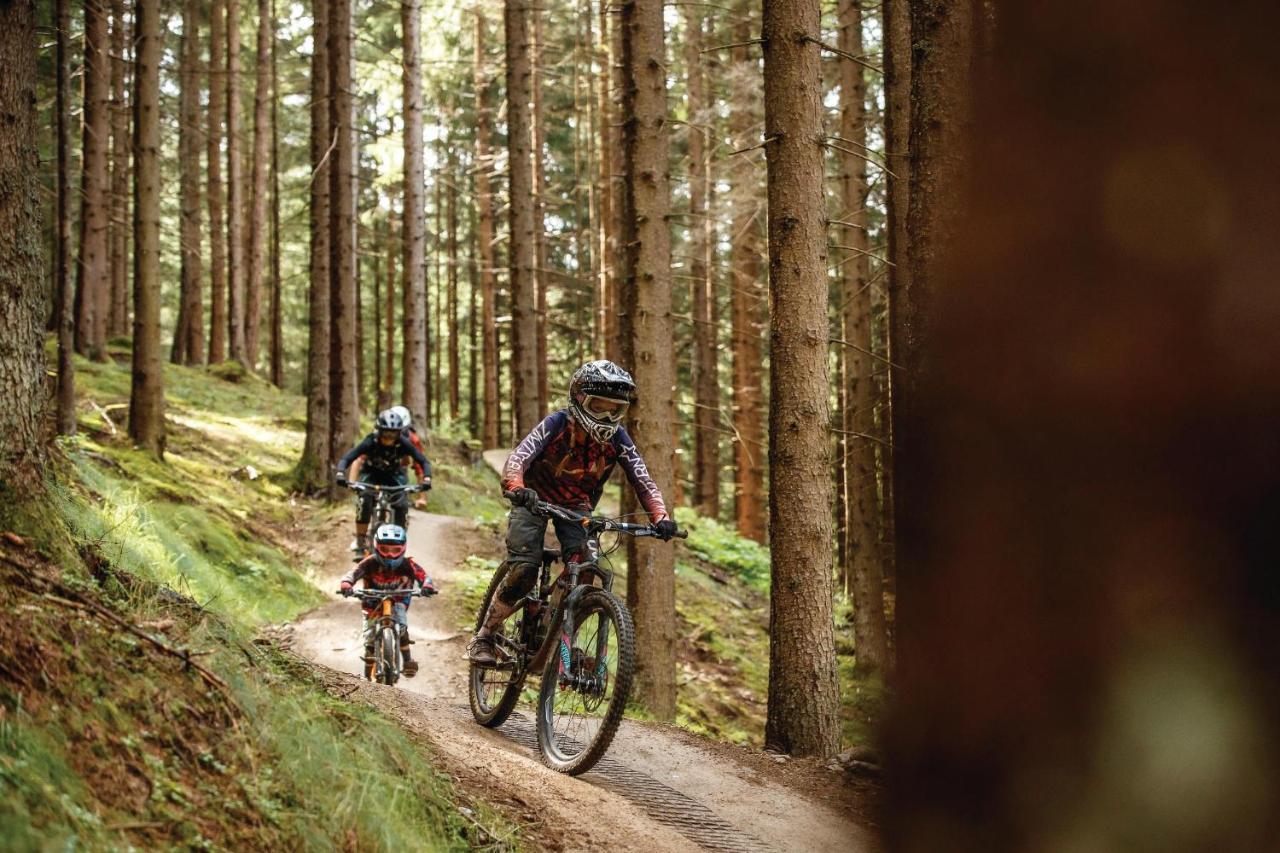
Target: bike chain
[(661, 802)]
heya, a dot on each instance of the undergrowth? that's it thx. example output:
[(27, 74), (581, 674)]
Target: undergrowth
[(108, 743)]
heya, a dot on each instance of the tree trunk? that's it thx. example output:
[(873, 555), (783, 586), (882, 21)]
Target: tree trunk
[(706, 415), (473, 331), (217, 216), (804, 702), (277, 295), (861, 498), (542, 273), (313, 469), (896, 25), (235, 192), (344, 406), (121, 144), (455, 372), (604, 185), (63, 297), (434, 347), (651, 582), (389, 311), (24, 293), (146, 398), (413, 388), (92, 289), (262, 100), (524, 332), (188, 333), (747, 302), (486, 261)]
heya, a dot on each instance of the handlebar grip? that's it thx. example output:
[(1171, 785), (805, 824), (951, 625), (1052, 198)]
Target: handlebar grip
[(682, 534)]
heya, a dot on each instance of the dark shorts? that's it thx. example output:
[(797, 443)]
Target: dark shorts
[(399, 503), (525, 533)]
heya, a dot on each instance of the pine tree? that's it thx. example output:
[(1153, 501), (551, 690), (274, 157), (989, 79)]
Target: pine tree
[(213, 157), (524, 369), (413, 374), (63, 296), (651, 579), (803, 714), (258, 229), (92, 283), (486, 261), (313, 468), (344, 405), (277, 285), (146, 397), (121, 145), (235, 192), (188, 334)]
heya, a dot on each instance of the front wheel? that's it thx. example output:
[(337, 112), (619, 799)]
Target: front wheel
[(586, 684), (496, 689), (388, 656)]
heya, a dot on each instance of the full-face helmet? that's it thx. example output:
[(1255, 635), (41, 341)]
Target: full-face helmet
[(389, 543), (600, 393)]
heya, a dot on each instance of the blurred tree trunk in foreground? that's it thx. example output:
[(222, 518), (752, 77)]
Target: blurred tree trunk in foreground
[(1089, 471)]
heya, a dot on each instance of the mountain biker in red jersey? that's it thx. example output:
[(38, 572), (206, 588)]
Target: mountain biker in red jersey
[(389, 567), (566, 460)]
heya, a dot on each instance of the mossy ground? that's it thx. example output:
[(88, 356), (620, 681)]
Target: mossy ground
[(105, 742)]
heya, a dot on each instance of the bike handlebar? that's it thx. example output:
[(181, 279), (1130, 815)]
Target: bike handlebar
[(357, 486), (379, 594), (639, 530)]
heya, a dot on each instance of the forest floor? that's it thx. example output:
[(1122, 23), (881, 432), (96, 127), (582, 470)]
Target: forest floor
[(659, 788)]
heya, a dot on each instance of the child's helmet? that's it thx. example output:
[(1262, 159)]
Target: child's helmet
[(600, 393), (390, 421), (389, 542), (403, 412)]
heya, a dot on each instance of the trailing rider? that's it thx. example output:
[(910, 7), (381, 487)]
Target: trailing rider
[(381, 458), (389, 567)]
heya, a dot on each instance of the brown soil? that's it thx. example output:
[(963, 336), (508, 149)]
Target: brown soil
[(658, 789)]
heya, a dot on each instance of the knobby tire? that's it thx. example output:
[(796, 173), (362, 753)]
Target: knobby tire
[(495, 715)]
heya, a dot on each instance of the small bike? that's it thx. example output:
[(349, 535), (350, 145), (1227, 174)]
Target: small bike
[(580, 635), (386, 499), (386, 664)]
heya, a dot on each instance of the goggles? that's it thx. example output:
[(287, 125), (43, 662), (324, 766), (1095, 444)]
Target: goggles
[(390, 551), (605, 408)]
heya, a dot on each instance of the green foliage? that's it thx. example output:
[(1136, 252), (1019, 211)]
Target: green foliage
[(721, 545)]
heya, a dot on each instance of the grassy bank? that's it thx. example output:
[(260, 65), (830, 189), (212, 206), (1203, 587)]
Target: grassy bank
[(106, 740)]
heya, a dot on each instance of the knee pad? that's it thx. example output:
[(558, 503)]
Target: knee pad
[(518, 582)]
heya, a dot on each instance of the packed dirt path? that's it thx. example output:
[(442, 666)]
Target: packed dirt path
[(658, 788)]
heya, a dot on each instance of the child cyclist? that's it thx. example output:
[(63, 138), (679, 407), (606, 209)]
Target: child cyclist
[(382, 456), (389, 568), (566, 460)]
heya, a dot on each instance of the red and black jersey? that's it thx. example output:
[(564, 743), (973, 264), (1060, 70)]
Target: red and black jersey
[(566, 466), (376, 576)]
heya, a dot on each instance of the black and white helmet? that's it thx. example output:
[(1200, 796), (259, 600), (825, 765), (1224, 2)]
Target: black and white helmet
[(389, 543), (600, 393), (402, 411), (390, 421)]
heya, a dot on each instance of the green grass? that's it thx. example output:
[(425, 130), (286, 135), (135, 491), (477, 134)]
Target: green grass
[(293, 767)]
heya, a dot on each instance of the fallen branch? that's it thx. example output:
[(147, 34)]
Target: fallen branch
[(102, 413)]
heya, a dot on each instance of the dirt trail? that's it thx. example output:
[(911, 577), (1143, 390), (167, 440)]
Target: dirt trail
[(657, 789)]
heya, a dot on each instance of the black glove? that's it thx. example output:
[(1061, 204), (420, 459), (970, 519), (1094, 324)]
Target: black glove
[(425, 485), (341, 478), (666, 529), (526, 498), (347, 591)]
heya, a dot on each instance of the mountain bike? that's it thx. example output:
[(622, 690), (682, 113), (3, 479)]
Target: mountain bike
[(580, 635), (386, 663), (386, 498)]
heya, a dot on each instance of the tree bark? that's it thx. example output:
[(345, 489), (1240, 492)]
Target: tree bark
[(277, 295), (524, 332), (313, 468), (706, 394), (473, 330), (217, 216), (188, 333), (344, 405), (541, 271), (389, 320), (863, 572), (486, 261), (651, 581), (413, 388), (24, 288), (747, 302), (121, 144), (146, 398), (455, 372), (262, 100), (235, 193), (63, 296), (804, 701), (604, 185), (92, 288)]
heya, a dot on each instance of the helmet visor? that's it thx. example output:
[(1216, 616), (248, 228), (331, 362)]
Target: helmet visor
[(390, 551), (605, 408)]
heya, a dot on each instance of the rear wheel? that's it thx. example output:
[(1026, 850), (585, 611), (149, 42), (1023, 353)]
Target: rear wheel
[(388, 656), (495, 690), (586, 684)]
